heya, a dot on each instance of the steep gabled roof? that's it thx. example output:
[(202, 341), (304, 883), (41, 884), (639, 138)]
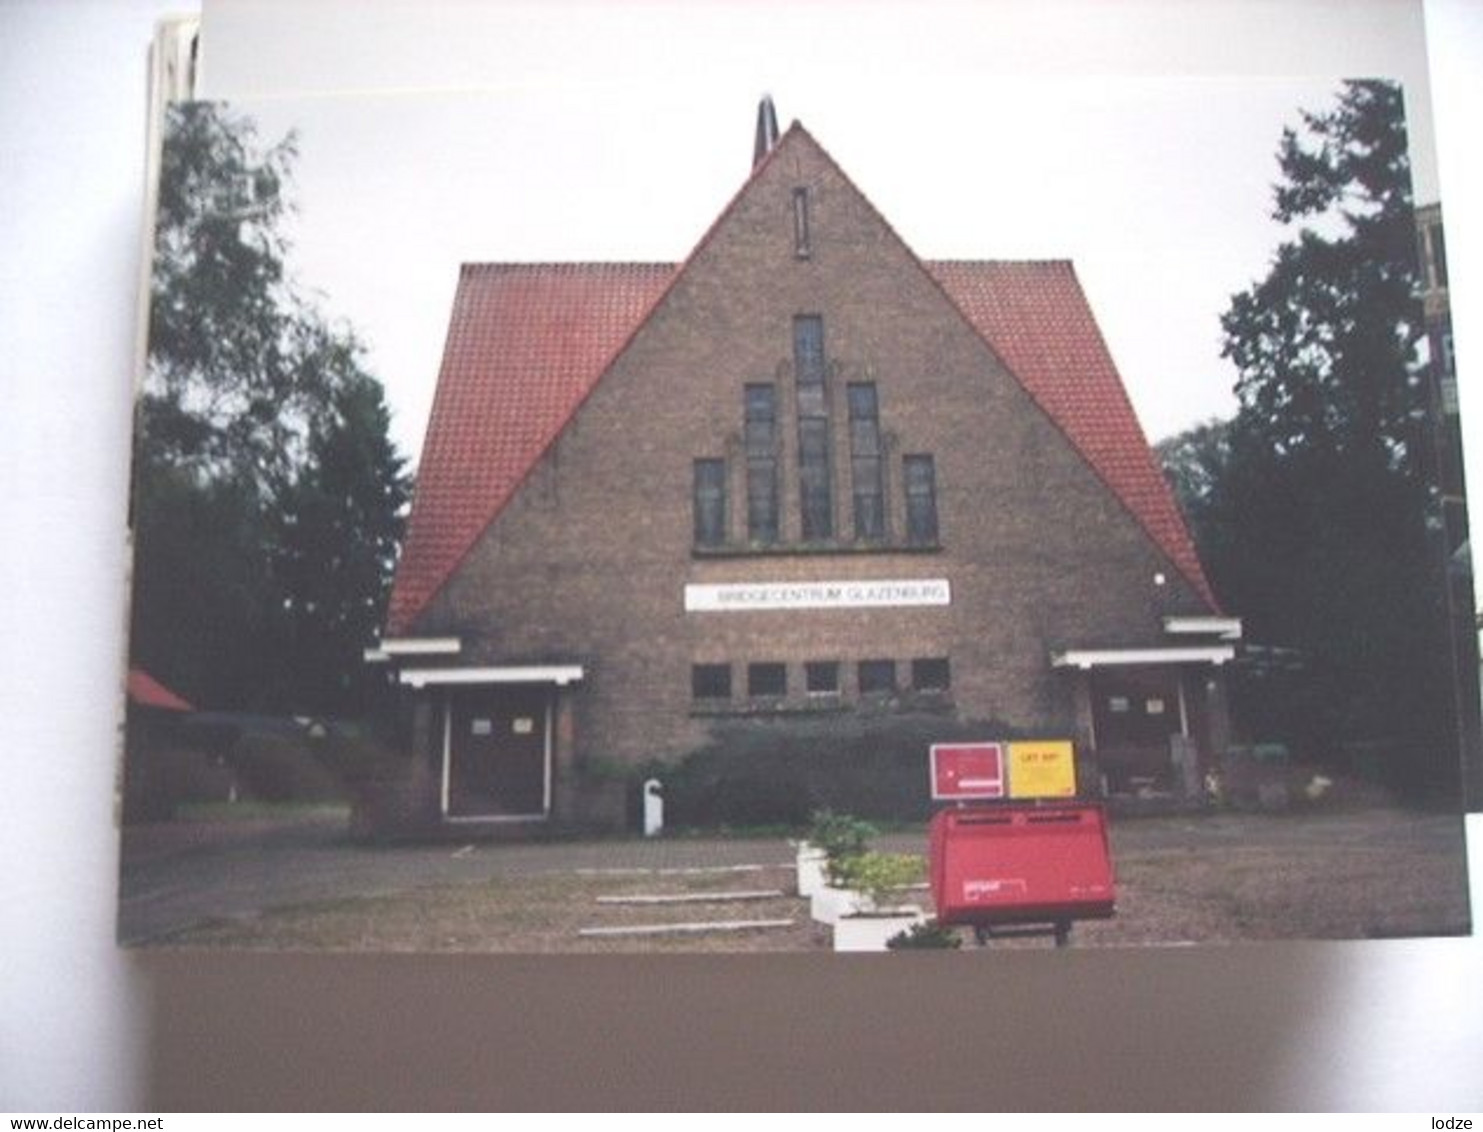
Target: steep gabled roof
[(528, 342)]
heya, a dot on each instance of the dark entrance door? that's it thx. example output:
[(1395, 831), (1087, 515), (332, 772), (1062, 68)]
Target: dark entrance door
[(1135, 712), (497, 749)]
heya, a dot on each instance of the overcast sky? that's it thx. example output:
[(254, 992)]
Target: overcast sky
[(1159, 190)]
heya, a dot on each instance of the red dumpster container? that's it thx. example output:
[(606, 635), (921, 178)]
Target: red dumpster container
[(995, 866)]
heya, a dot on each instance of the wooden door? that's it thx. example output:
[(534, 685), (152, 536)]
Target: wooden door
[(1135, 712), (498, 752)]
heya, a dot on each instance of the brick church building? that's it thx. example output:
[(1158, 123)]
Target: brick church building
[(802, 471)]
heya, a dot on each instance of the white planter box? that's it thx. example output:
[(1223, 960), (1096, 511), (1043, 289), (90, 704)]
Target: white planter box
[(828, 904), (811, 861), (869, 932)]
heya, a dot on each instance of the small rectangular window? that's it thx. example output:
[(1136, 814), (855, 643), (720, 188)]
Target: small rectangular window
[(767, 679), (710, 681), (877, 676), (864, 408), (800, 223), (921, 500), (931, 674), (761, 411), (710, 502), (821, 677), (808, 348)]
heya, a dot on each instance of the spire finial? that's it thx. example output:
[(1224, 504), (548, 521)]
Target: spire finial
[(767, 129)]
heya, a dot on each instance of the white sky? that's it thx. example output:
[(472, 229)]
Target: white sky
[(1158, 189)]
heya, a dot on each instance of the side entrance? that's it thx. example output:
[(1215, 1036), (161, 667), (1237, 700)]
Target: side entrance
[(497, 752), (1135, 714)]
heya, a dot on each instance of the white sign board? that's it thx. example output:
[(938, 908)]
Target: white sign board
[(753, 596)]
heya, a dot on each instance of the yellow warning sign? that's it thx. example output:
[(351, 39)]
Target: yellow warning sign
[(1045, 768)]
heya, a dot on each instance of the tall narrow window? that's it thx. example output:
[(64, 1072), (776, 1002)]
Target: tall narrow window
[(710, 502), (865, 462), (762, 463), (800, 223), (813, 427), (921, 500)]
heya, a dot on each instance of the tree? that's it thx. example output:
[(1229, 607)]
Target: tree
[(1320, 496), (1326, 344), (338, 529), (224, 392), (266, 489), (1196, 463)]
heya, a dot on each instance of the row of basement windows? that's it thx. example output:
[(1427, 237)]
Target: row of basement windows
[(762, 445), (769, 679)]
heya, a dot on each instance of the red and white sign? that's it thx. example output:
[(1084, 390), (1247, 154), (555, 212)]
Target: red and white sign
[(964, 771)]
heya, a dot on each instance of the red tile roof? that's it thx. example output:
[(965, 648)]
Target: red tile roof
[(528, 342), (1036, 317), (144, 690)]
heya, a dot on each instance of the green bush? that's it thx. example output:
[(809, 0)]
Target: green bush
[(841, 837), (880, 876), (781, 769)]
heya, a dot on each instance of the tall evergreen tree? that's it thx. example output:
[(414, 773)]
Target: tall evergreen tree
[(1326, 343), (1322, 495), (338, 528)]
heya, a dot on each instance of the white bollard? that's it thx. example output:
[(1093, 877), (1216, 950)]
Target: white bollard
[(653, 807)]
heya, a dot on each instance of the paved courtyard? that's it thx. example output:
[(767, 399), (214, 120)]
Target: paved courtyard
[(1373, 872), (178, 874)]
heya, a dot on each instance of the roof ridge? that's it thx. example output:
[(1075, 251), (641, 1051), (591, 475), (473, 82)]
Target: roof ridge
[(492, 265), (522, 264), (1055, 261)]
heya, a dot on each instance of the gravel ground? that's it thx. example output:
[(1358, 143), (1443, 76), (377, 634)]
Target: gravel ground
[(1217, 879), (533, 913)]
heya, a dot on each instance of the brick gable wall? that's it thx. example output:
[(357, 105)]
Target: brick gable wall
[(589, 560)]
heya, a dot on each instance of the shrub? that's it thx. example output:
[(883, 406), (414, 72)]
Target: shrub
[(925, 936), (841, 837), (880, 875)]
